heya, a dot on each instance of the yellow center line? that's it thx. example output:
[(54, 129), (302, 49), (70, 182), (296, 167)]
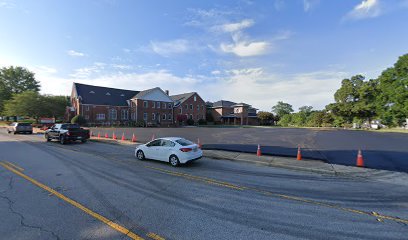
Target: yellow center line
[(101, 218), (282, 196), (15, 166)]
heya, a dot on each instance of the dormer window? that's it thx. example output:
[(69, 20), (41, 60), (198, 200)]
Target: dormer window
[(122, 95), (108, 94), (92, 92)]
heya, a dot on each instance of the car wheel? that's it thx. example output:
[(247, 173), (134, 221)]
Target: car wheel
[(83, 141), (8, 132), (140, 155), (47, 138), (30, 132), (174, 161), (14, 132), (62, 140)]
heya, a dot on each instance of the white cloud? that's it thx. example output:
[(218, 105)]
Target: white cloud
[(308, 5), (262, 90), (245, 49), (365, 9), (234, 27), (216, 72), (7, 4), (172, 47), (74, 53)]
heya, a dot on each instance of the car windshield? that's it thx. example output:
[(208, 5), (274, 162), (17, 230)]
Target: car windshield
[(184, 142), (24, 124)]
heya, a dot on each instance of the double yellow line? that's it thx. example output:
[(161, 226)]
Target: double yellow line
[(18, 170)]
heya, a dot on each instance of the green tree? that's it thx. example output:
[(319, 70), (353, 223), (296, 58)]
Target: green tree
[(55, 106), (392, 103), (281, 109), (27, 104), (15, 80), (265, 118), (285, 120)]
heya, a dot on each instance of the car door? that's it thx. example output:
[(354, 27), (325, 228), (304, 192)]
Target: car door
[(153, 149), (166, 149), (54, 131)]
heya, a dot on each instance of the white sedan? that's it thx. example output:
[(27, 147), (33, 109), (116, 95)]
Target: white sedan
[(174, 150)]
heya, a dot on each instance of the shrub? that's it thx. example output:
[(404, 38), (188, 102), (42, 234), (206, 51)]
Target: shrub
[(79, 119), (190, 122), (202, 122)]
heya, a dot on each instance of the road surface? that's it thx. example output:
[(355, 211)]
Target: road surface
[(100, 191)]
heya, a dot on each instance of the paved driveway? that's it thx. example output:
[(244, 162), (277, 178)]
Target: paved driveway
[(387, 151)]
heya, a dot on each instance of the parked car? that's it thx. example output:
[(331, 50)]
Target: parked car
[(17, 127), (174, 150), (66, 132)]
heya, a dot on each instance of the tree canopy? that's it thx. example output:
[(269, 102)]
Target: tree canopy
[(281, 109), (15, 80)]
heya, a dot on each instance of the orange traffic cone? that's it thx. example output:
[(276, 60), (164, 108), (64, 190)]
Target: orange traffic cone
[(153, 137), (99, 135), (258, 152), (299, 154), (360, 160), (123, 137), (106, 135), (114, 136), (198, 143), (134, 138)]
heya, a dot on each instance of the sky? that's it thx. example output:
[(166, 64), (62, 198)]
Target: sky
[(257, 52)]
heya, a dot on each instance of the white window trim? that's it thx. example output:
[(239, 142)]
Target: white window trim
[(158, 104), (153, 116), (145, 116)]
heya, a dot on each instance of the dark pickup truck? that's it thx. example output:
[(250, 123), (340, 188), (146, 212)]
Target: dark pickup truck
[(66, 132)]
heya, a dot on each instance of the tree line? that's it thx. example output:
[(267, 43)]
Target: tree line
[(19, 96), (357, 101)]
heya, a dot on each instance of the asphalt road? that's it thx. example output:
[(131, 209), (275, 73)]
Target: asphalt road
[(387, 151), (100, 191)]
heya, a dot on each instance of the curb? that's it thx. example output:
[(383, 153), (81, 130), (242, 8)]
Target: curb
[(269, 163)]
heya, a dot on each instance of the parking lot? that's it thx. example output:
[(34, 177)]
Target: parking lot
[(388, 151)]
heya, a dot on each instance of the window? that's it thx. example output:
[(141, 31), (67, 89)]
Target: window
[(169, 117), (191, 107), (153, 116), (100, 116), (153, 104), (145, 116), (155, 143), (108, 94), (145, 104), (170, 105), (86, 108), (87, 117), (158, 104), (167, 143), (198, 107), (195, 98), (181, 110), (186, 106), (202, 107), (164, 116), (125, 114), (184, 142), (133, 116), (164, 105), (92, 92), (113, 115), (191, 116)]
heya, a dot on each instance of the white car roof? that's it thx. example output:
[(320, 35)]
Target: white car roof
[(171, 138)]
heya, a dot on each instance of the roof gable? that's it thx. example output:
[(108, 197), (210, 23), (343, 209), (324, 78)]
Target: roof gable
[(154, 94)]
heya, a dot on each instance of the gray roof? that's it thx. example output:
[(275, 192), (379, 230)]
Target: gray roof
[(143, 93), (241, 105), (223, 103), (182, 97), (103, 95)]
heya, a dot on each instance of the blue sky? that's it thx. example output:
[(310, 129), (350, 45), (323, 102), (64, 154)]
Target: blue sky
[(258, 52)]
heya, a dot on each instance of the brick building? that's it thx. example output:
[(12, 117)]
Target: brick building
[(111, 106), (188, 106), (231, 113)]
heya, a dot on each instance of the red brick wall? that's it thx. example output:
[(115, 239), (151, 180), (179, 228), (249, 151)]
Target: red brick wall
[(158, 111), (197, 113)]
